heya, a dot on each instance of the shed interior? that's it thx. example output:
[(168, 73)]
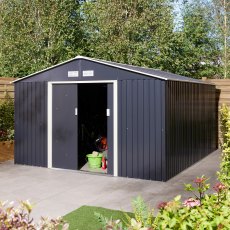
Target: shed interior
[(92, 122)]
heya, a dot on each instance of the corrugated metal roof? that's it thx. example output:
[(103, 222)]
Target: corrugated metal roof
[(152, 72), (163, 75)]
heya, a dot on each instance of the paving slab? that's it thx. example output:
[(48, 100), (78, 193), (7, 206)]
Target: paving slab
[(58, 192)]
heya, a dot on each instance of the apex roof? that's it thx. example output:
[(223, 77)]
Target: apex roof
[(155, 73)]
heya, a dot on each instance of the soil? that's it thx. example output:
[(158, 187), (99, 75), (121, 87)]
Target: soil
[(6, 150)]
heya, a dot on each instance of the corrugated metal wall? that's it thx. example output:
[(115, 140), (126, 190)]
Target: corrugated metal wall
[(141, 151), (31, 123), (191, 124)]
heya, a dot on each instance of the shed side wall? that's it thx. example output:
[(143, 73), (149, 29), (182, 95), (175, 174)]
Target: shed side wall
[(141, 136), (191, 124), (31, 123)]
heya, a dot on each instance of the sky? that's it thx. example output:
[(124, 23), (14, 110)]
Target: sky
[(177, 12)]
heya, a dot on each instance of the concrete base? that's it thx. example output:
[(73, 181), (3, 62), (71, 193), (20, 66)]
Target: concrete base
[(86, 168), (58, 192)]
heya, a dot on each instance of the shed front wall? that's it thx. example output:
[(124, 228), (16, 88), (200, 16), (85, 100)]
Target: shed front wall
[(141, 142), (141, 135), (191, 124), (141, 100)]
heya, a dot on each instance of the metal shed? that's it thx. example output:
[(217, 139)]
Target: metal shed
[(156, 123)]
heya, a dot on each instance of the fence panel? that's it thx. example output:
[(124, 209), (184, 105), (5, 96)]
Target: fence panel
[(223, 97), (6, 87), (223, 89)]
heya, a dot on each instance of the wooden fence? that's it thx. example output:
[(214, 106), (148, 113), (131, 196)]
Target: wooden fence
[(6, 87), (223, 90), (223, 97)]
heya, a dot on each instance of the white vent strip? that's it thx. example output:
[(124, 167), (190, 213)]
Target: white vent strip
[(88, 73), (73, 73)]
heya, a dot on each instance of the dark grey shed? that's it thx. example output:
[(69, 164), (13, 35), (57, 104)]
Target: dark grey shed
[(157, 123)]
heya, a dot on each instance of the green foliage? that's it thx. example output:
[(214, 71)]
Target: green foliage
[(108, 223), (224, 174), (37, 34), (18, 217), (222, 22), (142, 33), (7, 119), (200, 189), (211, 213), (143, 218), (195, 46), (131, 32), (201, 212), (143, 214)]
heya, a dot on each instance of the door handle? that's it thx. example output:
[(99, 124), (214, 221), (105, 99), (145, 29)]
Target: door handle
[(76, 111), (107, 112)]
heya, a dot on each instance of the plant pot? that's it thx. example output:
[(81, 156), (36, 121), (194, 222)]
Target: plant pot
[(94, 161)]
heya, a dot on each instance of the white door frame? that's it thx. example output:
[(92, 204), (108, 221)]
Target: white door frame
[(115, 119)]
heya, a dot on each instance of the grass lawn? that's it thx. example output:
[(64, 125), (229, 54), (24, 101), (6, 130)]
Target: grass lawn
[(83, 218)]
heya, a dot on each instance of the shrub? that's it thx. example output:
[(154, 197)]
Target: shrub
[(7, 119), (12, 217), (224, 173), (212, 214), (202, 211), (198, 191), (109, 223), (143, 214)]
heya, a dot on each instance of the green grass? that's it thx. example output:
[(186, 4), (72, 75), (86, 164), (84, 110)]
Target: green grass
[(83, 218)]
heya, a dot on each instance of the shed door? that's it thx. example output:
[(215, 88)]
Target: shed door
[(64, 126)]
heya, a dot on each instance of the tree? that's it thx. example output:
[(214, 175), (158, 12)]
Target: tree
[(36, 34), (131, 32), (144, 33), (195, 46), (222, 12)]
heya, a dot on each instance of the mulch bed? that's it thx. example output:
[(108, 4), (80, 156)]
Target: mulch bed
[(6, 151)]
